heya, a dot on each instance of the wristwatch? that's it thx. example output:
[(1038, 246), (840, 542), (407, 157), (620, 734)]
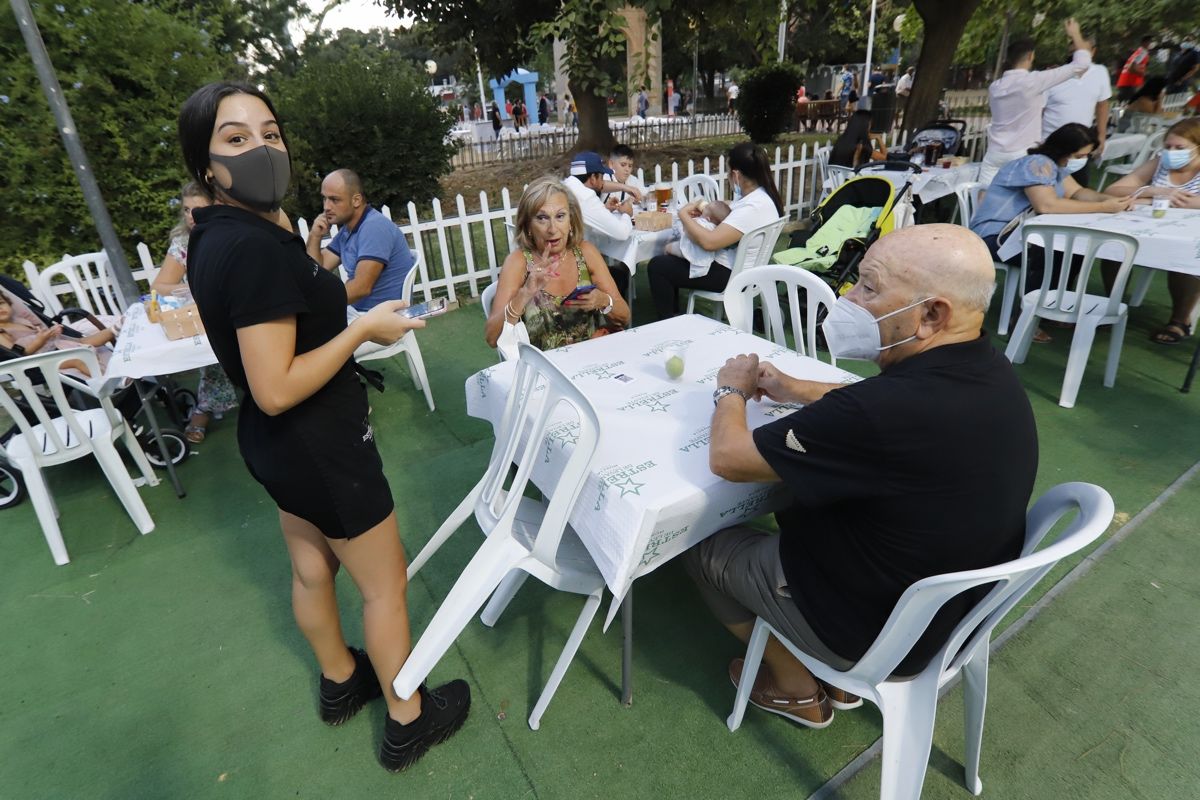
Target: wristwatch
[(725, 391)]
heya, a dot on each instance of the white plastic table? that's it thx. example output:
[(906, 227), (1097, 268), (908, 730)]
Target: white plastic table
[(143, 350), (651, 494)]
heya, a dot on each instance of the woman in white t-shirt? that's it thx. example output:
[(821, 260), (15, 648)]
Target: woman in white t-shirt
[(756, 202)]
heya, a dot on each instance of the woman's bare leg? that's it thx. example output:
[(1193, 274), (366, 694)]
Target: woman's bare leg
[(375, 560), (314, 603)]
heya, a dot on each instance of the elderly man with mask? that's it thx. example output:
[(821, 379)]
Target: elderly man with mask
[(923, 469)]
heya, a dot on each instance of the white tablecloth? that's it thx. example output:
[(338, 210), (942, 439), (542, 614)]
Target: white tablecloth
[(933, 182), (651, 494), (641, 246), (1171, 243), (143, 349)]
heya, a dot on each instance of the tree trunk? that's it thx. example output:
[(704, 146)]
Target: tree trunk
[(945, 21), (594, 133)]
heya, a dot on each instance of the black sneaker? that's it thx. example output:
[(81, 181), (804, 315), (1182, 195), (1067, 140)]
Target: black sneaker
[(443, 711), (341, 701)]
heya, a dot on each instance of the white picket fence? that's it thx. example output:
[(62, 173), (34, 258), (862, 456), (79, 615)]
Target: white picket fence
[(462, 252)]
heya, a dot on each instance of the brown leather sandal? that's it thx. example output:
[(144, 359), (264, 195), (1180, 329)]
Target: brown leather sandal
[(1173, 332)]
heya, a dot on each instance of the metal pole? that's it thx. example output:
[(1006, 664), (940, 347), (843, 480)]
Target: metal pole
[(870, 48), (695, 80), (126, 286), (783, 15)]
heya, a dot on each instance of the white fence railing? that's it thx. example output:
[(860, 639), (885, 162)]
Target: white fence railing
[(636, 132)]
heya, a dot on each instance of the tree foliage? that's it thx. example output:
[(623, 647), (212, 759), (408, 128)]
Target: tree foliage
[(357, 103), (509, 33), (125, 69), (768, 100)]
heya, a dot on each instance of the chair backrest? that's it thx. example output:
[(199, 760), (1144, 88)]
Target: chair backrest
[(838, 175), (84, 280), (821, 158), (1150, 147), (539, 390), (410, 279), (696, 187), (149, 270), (486, 298), (510, 228), (968, 199), (1065, 294), (757, 247), (23, 377), (749, 285), (921, 601)]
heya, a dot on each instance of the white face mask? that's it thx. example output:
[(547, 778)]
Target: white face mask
[(1075, 164), (851, 331), (736, 183), (1177, 159)]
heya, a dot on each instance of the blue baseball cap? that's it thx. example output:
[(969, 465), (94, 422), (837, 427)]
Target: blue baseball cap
[(587, 162)]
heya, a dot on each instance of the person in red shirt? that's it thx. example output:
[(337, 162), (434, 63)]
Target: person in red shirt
[(1133, 74)]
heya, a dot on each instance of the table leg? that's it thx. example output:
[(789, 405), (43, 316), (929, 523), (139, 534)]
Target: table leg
[(1191, 373), (152, 419), (627, 648)]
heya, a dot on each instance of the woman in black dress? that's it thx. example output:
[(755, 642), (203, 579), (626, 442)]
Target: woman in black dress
[(277, 323)]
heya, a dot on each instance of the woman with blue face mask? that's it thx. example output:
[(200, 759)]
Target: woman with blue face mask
[(1041, 183), (1175, 174)]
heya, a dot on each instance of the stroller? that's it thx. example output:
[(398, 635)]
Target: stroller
[(847, 222), (949, 133)]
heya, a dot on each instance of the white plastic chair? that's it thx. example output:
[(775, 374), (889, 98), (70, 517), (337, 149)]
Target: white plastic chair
[(1151, 146), (764, 282), (149, 270), (523, 536), (63, 434), (1063, 303), (968, 200), (909, 705), (87, 278), (510, 229), (696, 187), (406, 344), (821, 165), (486, 299), (760, 242)]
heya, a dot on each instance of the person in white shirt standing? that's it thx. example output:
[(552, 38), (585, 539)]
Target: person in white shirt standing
[(1084, 100), (904, 88), (600, 219), (1018, 97)]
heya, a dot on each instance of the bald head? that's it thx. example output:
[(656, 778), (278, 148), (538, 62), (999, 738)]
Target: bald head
[(939, 260), (345, 179)]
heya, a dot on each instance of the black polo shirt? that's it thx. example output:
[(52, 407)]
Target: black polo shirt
[(924, 469), (244, 270)]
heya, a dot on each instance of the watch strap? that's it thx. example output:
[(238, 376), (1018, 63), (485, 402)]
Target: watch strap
[(725, 391)]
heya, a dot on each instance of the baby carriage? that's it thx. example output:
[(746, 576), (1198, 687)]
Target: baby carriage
[(950, 134), (178, 401), (847, 222)]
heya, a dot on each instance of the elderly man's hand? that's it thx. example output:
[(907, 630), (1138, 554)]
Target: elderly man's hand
[(740, 372)]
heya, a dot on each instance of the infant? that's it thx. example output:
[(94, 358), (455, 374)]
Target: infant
[(713, 214)]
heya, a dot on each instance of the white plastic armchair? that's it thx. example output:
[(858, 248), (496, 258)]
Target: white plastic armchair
[(504, 350), (762, 286), (968, 200), (406, 344), (755, 249), (1062, 299), (84, 281), (62, 433), (696, 187), (909, 704), (1151, 146), (523, 536)]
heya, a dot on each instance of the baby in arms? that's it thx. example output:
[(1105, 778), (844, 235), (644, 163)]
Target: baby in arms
[(713, 214)]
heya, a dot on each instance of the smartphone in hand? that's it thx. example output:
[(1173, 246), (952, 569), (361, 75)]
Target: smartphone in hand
[(423, 310), (579, 292)]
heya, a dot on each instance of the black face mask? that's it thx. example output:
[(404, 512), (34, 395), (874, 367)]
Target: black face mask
[(260, 177)]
